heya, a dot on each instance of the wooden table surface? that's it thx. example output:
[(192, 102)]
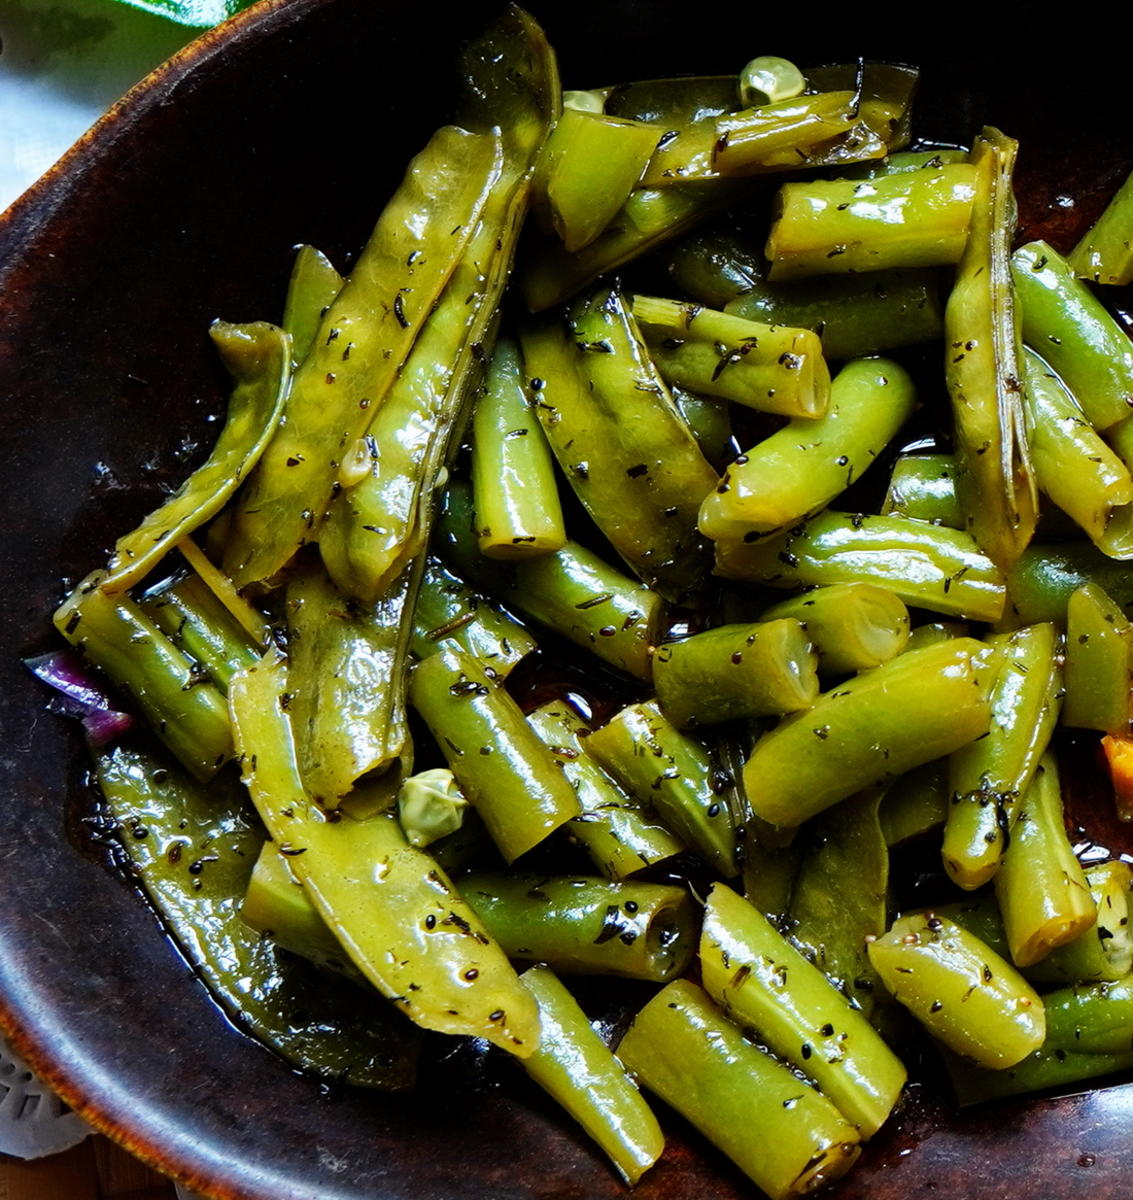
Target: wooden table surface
[(95, 1169)]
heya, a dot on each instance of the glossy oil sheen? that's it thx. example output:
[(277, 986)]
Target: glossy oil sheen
[(293, 125)]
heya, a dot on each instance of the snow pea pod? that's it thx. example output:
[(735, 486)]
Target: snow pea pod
[(193, 849), (777, 1129), (984, 369), (763, 983), (398, 917), (259, 358)]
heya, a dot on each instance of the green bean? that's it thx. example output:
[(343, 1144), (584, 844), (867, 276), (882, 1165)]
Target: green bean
[(513, 476), (403, 925), (574, 1065), (914, 708), (1041, 583), (501, 765), (587, 926), (960, 990), (1099, 645), (574, 592), (923, 486), (928, 566), (783, 1134), (620, 835), (311, 290), (1092, 1018), (906, 160), (798, 470), (186, 711), (448, 610), (193, 848), (913, 219), (935, 632), (769, 368), (1038, 1072), (852, 626), (989, 777), (258, 356), (915, 804), (675, 775), (1074, 466), (719, 263), (762, 982), (1042, 891), (1105, 253), (732, 672), (710, 421), (983, 367), (1069, 327)]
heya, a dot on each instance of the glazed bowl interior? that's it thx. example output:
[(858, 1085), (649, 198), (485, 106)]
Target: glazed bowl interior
[(289, 125)]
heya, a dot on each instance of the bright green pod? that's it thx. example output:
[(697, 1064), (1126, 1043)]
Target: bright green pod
[(1038, 1072), (1105, 253), (193, 848), (761, 982), (619, 438), (187, 712), (923, 487), (736, 672), (574, 592), (1091, 1018), (516, 497), (311, 290), (675, 775), (801, 468), (1043, 894), (917, 707), (766, 367), (258, 356), (785, 1136), (591, 163), (575, 1067), (988, 778), (1099, 643), (984, 369), (852, 626), (909, 219), (620, 835), (186, 609), (448, 610), (1041, 583), (405, 926), (928, 566), (582, 925), (1069, 327), (1074, 466), (963, 993), (502, 767)]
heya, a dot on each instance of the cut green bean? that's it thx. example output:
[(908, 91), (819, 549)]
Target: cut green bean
[(709, 419), (923, 487), (502, 766), (583, 925), (1041, 583), (915, 804), (675, 775), (852, 626), (518, 514), (928, 566), (763, 983), (1038, 1072), (574, 1066), (783, 1134), (1105, 253), (917, 707), (311, 290), (968, 997), (988, 777), (620, 835), (1099, 646), (799, 470)]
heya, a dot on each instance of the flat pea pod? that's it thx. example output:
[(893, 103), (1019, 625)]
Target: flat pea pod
[(193, 849), (259, 358), (398, 917), (913, 709), (785, 1136), (574, 1066), (502, 767), (762, 982), (584, 925), (964, 994)]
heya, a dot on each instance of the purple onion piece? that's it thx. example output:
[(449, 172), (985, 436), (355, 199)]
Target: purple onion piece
[(83, 694)]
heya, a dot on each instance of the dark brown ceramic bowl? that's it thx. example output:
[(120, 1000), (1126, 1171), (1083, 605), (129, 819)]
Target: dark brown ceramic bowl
[(291, 124)]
